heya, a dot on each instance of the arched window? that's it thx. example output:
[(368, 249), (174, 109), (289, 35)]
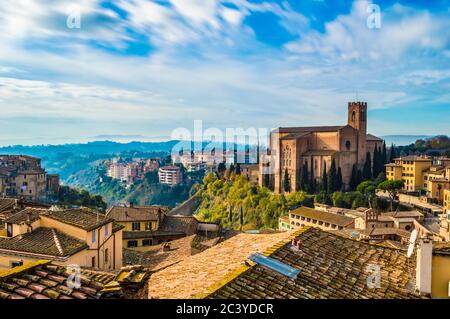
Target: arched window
[(348, 145), (353, 116)]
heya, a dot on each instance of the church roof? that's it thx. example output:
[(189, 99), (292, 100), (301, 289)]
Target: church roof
[(370, 137), (307, 129)]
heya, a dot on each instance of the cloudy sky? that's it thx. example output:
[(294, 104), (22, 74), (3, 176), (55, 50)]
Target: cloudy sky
[(142, 68)]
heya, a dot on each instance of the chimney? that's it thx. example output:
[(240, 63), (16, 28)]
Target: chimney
[(297, 243), (28, 222), (424, 265)]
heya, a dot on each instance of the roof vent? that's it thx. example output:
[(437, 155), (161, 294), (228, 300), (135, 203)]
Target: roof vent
[(275, 265)]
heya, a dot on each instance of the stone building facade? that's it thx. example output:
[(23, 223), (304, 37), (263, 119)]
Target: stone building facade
[(291, 147)]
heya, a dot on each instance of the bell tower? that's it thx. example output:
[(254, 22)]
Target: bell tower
[(357, 118)]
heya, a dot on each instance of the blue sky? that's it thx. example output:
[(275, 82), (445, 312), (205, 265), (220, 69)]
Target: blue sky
[(146, 67)]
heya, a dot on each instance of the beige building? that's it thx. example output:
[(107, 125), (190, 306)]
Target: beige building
[(70, 236), (23, 176), (152, 225), (444, 229), (305, 216), (292, 147), (170, 175), (394, 226), (411, 170)]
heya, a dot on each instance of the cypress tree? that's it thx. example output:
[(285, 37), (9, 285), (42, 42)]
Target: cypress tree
[(339, 182), (332, 180), (238, 169), (324, 185), (354, 178), (367, 169), (359, 178), (231, 168), (305, 185), (376, 161), (384, 154), (300, 182), (392, 155), (242, 217), (287, 182), (312, 183)]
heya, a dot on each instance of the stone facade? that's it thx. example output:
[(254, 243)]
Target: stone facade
[(291, 147)]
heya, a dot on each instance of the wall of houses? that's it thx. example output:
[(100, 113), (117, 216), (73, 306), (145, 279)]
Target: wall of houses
[(440, 277)]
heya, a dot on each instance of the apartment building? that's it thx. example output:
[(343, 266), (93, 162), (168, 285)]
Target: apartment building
[(410, 169), (170, 175), (130, 172)]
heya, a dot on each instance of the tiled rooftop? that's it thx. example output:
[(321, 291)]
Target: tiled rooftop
[(194, 274), (135, 213), (44, 280), (179, 224), (7, 203), (44, 241), (156, 258), (83, 218), (441, 248), (31, 214), (336, 219), (330, 267)]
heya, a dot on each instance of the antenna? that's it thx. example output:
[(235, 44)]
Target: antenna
[(412, 241)]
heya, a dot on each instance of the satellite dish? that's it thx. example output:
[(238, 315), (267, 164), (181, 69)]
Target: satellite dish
[(410, 250), (413, 237), (412, 241)]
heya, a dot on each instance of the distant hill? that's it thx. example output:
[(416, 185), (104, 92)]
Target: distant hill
[(91, 148), (401, 140)]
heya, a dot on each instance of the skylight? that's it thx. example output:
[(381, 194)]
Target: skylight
[(275, 265)]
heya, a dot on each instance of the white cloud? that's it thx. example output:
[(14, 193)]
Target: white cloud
[(211, 79), (349, 38)]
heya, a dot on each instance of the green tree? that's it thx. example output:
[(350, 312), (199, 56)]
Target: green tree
[(368, 189), (391, 187), (384, 154), (367, 169), (305, 185), (287, 182), (392, 153), (333, 178), (324, 185), (376, 161), (324, 198), (354, 178), (238, 169), (338, 200), (221, 168), (339, 182)]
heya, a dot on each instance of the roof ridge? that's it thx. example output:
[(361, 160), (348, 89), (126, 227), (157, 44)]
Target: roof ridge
[(57, 242), (249, 264)]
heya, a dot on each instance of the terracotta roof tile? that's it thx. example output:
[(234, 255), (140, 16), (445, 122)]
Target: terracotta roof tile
[(28, 213), (43, 280), (44, 241), (135, 213), (336, 219), (330, 267), (84, 218)]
